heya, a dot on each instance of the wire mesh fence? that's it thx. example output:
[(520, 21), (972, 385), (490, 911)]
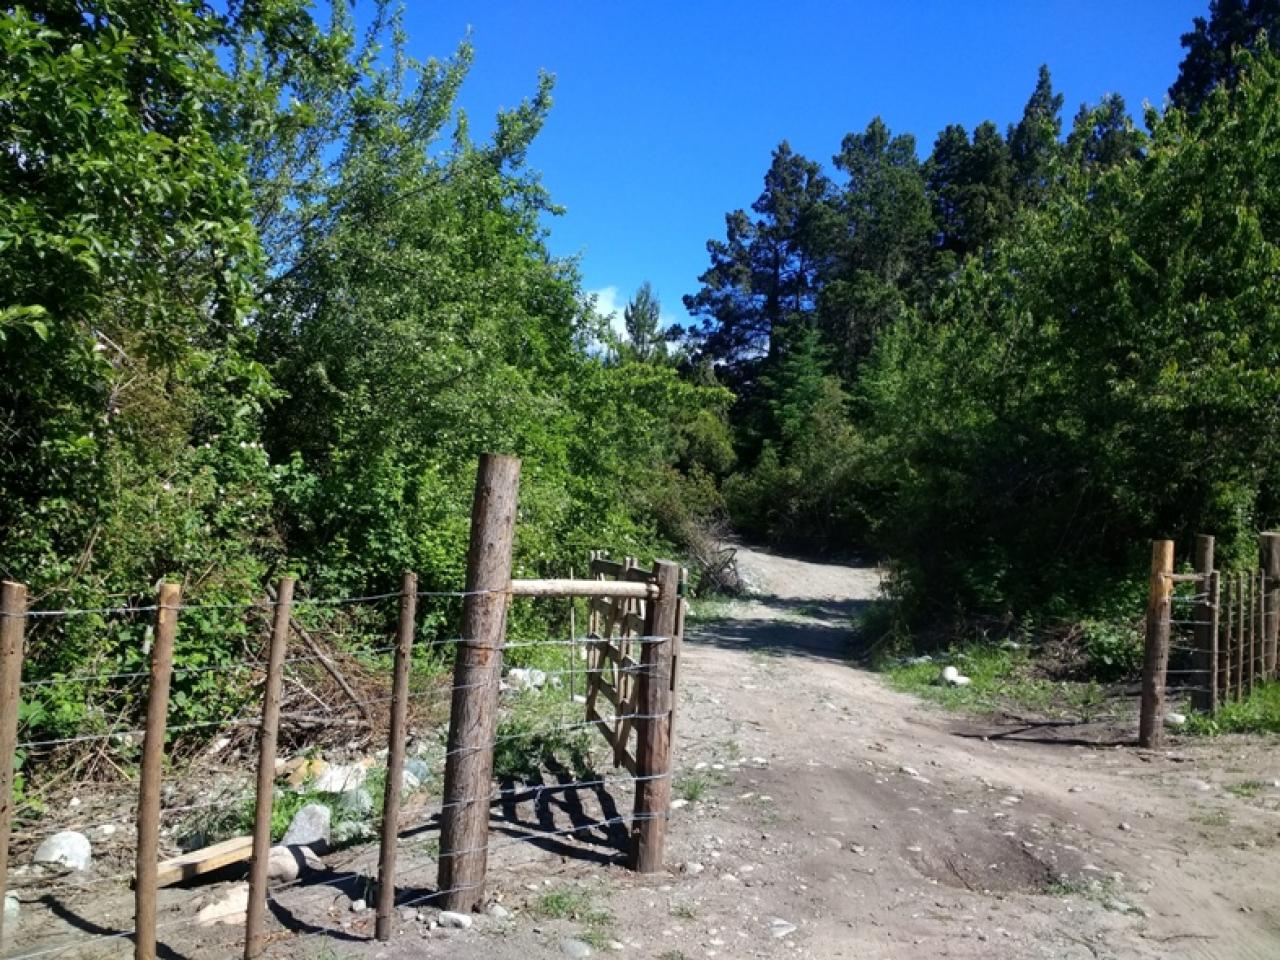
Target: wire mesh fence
[(545, 778), (1211, 635)]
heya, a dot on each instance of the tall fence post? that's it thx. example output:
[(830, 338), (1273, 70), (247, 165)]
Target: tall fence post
[(396, 736), (464, 821), (653, 732), (1206, 659), (13, 625), (144, 887), (268, 736), (1270, 543), (1242, 609), (1156, 660)]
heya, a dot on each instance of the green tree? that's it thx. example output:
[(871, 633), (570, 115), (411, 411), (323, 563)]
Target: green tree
[(1104, 135), (1033, 143), (971, 188), (1212, 44), (766, 270), (642, 319), (1105, 376), (875, 269)]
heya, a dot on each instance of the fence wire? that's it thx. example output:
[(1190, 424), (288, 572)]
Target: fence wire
[(535, 793)]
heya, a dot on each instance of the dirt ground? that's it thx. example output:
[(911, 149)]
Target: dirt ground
[(825, 815)]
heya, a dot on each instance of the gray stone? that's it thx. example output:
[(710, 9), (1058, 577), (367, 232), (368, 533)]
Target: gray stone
[(458, 921), (310, 826), (416, 773), (359, 906), (577, 949), (68, 849), (498, 911), (779, 928)]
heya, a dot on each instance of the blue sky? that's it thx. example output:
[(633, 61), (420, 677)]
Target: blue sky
[(666, 112)]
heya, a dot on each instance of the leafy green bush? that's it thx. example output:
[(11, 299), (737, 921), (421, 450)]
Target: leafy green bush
[(1113, 650)]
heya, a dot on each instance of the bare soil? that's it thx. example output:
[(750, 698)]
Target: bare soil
[(876, 825)]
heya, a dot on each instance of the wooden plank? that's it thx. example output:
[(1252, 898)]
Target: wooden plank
[(205, 860), (581, 588), (606, 568), (638, 575)]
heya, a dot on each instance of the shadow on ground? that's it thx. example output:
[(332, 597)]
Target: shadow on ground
[(817, 629)]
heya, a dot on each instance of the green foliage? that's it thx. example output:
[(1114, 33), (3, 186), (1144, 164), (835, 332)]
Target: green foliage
[(265, 298), (1257, 713), (1113, 650), (1002, 678), (1095, 382)]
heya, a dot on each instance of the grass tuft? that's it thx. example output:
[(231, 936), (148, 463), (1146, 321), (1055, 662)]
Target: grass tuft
[(1257, 713)]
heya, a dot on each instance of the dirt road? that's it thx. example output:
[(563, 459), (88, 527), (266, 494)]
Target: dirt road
[(820, 814), (883, 827)]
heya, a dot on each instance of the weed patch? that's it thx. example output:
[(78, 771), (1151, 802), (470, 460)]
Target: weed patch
[(1257, 713)]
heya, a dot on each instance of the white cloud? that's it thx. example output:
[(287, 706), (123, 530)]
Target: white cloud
[(609, 304)]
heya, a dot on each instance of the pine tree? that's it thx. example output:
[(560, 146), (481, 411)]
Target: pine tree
[(1033, 142), (1210, 47), (642, 319)]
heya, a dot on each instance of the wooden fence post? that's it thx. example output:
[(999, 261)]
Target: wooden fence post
[(1203, 698), (1241, 628), (396, 737), (653, 734), (1215, 659), (464, 821), (1255, 598), (1224, 645), (268, 736), (1156, 661), (1271, 606), (144, 887), (13, 624)]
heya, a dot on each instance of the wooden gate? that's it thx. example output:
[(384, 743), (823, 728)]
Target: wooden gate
[(617, 630)]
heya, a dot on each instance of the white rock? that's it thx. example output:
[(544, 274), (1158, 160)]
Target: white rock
[(310, 826), (1174, 719), (692, 867), (341, 778), (68, 848), (107, 829), (230, 909), (518, 678), (11, 910), (457, 921), (538, 678), (285, 864), (779, 928), (575, 948), (961, 681), (677, 804), (909, 771), (498, 911), (359, 906)]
